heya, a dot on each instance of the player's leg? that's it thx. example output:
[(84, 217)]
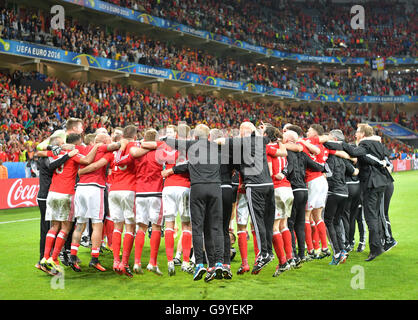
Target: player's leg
[(170, 209), (139, 246), (156, 218), (186, 227), (96, 241), (49, 245), (242, 222), (75, 243), (44, 227)]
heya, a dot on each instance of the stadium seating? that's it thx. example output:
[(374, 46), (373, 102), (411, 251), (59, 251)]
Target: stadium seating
[(93, 40), (319, 28)]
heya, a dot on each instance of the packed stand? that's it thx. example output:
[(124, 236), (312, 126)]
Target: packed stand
[(95, 41), (28, 116), (315, 27)]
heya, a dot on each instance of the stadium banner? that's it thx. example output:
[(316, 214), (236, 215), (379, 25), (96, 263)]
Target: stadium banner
[(130, 14), (415, 164), (18, 193), (402, 165), (394, 130), (58, 55)]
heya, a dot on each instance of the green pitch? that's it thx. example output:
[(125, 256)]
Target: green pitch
[(394, 275)]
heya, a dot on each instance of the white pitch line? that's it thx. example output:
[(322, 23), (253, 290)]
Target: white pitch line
[(19, 220)]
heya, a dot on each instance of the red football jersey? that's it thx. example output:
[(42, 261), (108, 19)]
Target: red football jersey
[(148, 174), (124, 175), (63, 178), (278, 164), (171, 159), (322, 157), (97, 177)]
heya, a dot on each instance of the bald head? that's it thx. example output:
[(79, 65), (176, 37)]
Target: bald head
[(201, 131), (290, 136), (246, 129), (102, 138)]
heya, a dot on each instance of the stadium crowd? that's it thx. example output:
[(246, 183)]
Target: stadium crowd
[(33, 26), (27, 116), (319, 28)]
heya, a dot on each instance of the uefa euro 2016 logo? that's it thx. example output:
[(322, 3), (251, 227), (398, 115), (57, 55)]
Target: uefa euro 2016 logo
[(357, 21)]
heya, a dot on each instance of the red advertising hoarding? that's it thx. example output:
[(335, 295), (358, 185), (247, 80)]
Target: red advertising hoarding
[(18, 193)]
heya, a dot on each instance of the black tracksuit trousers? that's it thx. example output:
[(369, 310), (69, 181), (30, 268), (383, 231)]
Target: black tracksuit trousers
[(296, 222), (261, 204), (334, 209), (351, 212), (44, 227), (207, 222)]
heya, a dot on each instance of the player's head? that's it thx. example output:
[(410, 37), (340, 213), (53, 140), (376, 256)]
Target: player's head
[(117, 134), (290, 136), (102, 138), (363, 131), (101, 130), (337, 135), (56, 141), (215, 134), (183, 131), (315, 130), (130, 132), (74, 138), (296, 129), (271, 133), (89, 139), (150, 135), (286, 127), (201, 131), (246, 129), (74, 125), (171, 131)]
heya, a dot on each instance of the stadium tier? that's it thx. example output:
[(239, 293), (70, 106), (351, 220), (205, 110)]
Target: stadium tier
[(98, 46)]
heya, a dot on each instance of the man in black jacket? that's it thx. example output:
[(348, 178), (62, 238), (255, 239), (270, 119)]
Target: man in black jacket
[(337, 199), (204, 164), (373, 180)]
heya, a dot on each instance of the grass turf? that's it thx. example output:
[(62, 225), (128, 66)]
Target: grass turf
[(393, 275)]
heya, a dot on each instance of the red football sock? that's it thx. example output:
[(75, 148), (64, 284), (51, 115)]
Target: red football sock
[(322, 230), (315, 236), (128, 242), (169, 243), (117, 239), (278, 247), (287, 241), (109, 226), (95, 252), (59, 243), (256, 250), (154, 246), (74, 248), (186, 244), (308, 236), (49, 243), (139, 245), (242, 245)]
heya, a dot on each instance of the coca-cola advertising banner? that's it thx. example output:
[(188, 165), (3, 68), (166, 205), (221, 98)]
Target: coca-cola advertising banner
[(18, 193), (402, 165)]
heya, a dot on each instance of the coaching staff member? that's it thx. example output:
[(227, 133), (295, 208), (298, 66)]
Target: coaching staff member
[(249, 151), (373, 181), (45, 176), (204, 164)]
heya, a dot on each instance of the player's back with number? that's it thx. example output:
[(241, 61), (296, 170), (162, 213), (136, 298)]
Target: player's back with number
[(124, 176), (64, 177)]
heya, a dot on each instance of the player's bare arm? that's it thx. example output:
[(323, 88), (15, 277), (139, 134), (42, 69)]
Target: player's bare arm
[(93, 166), (90, 157), (312, 148), (136, 152), (293, 147)]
